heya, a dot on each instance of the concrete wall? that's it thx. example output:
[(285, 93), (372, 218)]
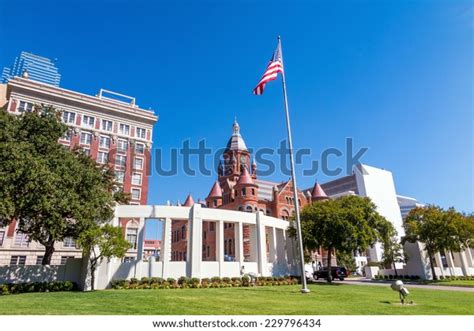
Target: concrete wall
[(38, 273)]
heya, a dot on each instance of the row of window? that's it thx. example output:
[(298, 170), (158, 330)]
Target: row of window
[(22, 240), (104, 142), (178, 256), (179, 235), (106, 125), (21, 259)]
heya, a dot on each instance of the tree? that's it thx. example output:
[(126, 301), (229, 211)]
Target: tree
[(343, 225), (393, 253), (346, 260), (99, 242), (439, 230), (51, 191)]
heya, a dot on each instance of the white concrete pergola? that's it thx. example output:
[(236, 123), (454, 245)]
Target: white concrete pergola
[(279, 260)]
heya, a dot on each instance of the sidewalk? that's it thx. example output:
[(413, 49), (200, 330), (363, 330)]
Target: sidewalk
[(364, 281)]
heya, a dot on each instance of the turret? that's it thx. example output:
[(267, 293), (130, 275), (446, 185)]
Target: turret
[(318, 194), (189, 201), (214, 198)]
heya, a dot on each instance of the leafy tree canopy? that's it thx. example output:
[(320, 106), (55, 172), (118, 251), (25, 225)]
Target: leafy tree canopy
[(51, 191)]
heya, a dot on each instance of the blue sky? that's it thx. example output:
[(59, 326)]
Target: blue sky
[(396, 76)]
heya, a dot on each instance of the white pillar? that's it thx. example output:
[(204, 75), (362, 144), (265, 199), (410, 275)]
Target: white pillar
[(140, 239), (194, 255), (439, 262), (261, 246), (239, 243), (281, 247), (470, 262), (464, 265), (449, 258), (165, 253), (220, 245), (272, 242)]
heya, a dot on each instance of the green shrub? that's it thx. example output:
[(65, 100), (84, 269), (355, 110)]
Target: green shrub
[(55, 286), (216, 279), (226, 280), (184, 280), (145, 280), (133, 281), (246, 281), (235, 279), (157, 280)]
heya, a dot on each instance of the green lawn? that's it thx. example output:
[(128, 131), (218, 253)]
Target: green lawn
[(323, 300)]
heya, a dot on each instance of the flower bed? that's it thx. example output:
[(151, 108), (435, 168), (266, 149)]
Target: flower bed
[(186, 282)]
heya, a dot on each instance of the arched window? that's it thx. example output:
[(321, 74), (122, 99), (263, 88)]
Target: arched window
[(253, 191), (131, 233), (241, 208), (249, 209), (243, 192)]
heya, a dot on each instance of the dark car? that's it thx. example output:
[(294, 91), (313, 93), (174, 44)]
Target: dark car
[(336, 272)]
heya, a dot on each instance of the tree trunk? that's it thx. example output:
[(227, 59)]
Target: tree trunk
[(329, 278), (48, 253), (92, 268), (430, 255), (395, 269)]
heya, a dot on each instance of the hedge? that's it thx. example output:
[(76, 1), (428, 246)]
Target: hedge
[(186, 282), (6, 289)]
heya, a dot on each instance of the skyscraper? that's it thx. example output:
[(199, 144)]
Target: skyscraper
[(39, 68)]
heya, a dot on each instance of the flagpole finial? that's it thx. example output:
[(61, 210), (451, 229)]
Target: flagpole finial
[(279, 37)]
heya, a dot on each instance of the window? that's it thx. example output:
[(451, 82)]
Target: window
[(69, 242), (64, 259), (135, 194), (141, 133), (21, 240), (69, 117), (39, 260), (183, 232), (249, 209), (107, 125), (124, 129), (131, 236), (104, 142), (67, 136), (86, 138), (119, 175), (211, 226), (120, 160), (88, 121), (243, 191), (18, 260), (136, 179), (139, 148), (138, 163), (25, 106), (87, 151), (122, 145), (2, 235), (128, 259), (102, 157)]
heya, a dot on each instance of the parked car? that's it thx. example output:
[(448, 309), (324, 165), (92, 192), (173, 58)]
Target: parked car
[(336, 272)]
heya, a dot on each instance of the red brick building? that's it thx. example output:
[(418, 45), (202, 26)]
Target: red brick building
[(110, 130), (238, 188)]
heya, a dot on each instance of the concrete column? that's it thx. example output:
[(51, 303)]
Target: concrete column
[(165, 254), (281, 247), (220, 245), (272, 242), (261, 246), (239, 243), (140, 239), (470, 262), (194, 255), (464, 264), (439, 262), (449, 258)]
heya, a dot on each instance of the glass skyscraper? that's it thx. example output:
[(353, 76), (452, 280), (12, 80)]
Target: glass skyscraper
[(39, 68)]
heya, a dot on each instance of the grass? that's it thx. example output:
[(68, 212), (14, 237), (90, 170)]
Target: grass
[(282, 300)]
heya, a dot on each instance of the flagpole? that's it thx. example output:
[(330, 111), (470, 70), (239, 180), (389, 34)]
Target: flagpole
[(304, 288)]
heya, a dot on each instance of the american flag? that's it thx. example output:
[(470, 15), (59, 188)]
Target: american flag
[(274, 67)]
